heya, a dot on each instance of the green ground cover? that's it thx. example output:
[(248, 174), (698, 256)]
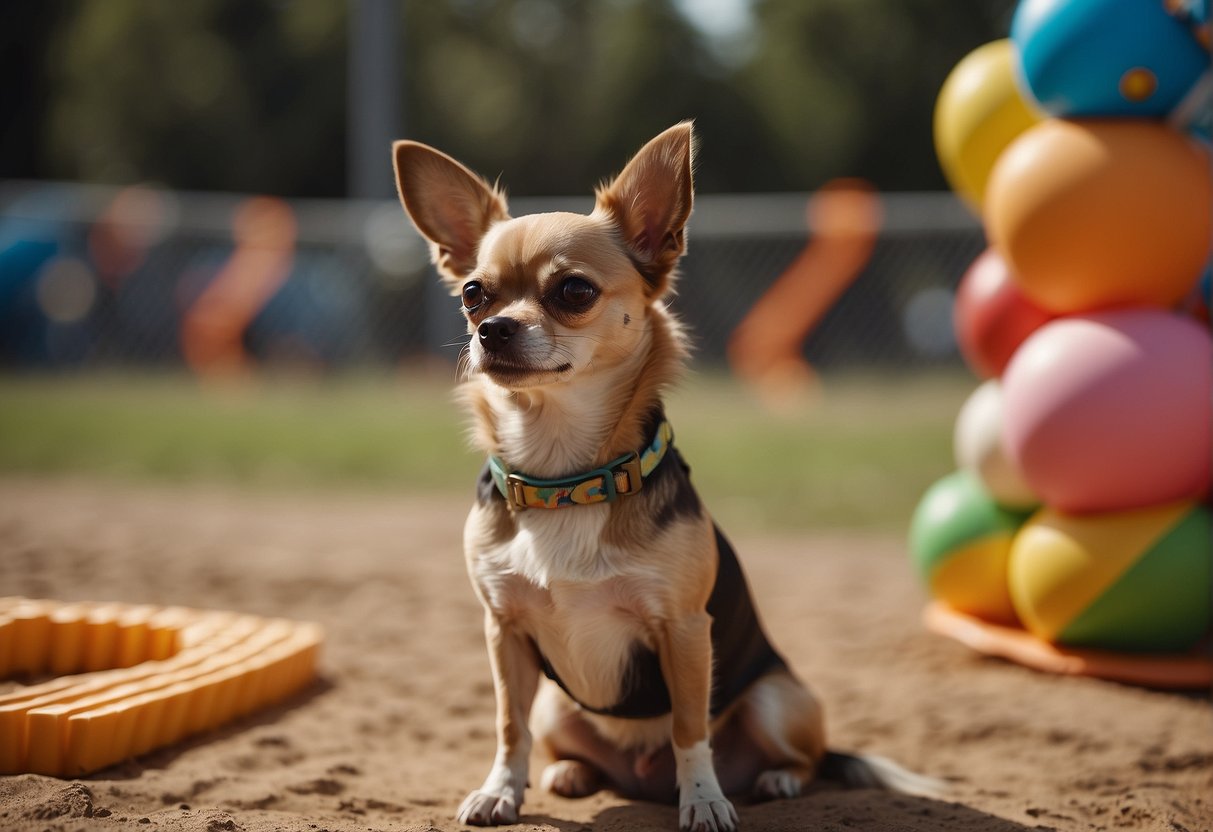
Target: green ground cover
[(858, 455)]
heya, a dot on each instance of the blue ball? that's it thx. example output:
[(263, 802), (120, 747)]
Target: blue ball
[(1110, 58)]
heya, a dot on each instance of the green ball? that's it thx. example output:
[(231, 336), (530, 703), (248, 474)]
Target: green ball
[(960, 541)]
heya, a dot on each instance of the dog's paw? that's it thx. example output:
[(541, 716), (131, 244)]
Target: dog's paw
[(707, 816), (570, 778), (482, 808), (777, 783)]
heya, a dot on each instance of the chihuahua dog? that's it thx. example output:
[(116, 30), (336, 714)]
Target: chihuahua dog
[(620, 630)]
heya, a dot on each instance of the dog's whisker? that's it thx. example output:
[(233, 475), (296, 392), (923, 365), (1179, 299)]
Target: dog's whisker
[(463, 367)]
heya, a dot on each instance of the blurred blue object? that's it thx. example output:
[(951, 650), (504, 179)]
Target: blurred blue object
[(21, 258), (1115, 58), (27, 245)]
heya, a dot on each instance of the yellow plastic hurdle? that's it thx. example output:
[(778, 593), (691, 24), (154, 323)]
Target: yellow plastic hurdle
[(133, 678)]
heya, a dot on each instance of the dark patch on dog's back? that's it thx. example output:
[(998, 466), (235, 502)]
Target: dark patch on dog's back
[(672, 482), (486, 489), (490, 499)]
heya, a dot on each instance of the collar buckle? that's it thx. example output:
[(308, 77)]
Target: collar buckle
[(630, 465), (514, 493)]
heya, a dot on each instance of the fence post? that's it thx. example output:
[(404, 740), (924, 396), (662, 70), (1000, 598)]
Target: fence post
[(373, 97)]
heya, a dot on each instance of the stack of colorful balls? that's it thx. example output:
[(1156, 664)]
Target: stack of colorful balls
[(1081, 508)]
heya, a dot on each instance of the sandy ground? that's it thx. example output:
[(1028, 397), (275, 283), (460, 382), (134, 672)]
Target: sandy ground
[(400, 727)]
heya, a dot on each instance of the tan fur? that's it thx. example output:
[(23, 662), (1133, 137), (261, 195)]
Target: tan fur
[(573, 390)]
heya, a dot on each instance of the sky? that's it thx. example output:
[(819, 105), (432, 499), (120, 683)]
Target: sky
[(718, 18)]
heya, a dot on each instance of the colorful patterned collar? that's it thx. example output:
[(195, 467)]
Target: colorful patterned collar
[(619, 477)]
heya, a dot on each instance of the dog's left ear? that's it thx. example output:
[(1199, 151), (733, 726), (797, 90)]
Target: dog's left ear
[(650, 202)]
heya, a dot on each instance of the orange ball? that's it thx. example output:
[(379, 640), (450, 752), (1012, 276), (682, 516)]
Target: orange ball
[(1097, 214)]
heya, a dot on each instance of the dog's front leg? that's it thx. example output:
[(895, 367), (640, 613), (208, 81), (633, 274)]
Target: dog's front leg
[(515, 678), (686, 662)]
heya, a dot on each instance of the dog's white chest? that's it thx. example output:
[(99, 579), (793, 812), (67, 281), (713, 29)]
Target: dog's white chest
[(559, 585), (588, 633), (560, 545)]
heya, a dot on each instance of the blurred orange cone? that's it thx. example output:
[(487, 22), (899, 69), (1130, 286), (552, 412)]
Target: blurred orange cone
[(844, 218)]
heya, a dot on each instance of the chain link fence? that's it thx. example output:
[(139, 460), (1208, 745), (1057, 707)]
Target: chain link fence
[(96, 277)]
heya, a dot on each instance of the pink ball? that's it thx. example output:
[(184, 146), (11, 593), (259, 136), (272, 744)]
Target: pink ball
[(1112, 411)]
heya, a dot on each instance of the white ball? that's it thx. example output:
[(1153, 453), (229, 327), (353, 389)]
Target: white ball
[(977, 443)]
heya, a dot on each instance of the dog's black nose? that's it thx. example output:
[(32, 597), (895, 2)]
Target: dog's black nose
[(495, 332)]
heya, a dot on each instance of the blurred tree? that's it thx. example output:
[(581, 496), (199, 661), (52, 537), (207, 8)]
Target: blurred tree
[(249, 95), (24, 84), (558, 94), (209, 94), (848, 87)]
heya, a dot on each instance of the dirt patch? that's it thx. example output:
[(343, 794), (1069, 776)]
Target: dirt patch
[(401, 725)]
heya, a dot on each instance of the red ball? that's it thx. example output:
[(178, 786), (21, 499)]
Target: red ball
[(992, 316)]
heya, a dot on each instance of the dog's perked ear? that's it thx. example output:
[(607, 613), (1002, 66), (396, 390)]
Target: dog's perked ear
[(650, 202), (451, 207)]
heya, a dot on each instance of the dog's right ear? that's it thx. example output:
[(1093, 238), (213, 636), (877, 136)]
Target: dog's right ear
[(451, 207)]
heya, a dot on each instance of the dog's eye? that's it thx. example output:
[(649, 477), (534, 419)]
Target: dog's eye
[(576, 291), (473, 295)]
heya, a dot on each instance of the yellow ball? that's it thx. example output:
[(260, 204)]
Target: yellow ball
[(978, 113)]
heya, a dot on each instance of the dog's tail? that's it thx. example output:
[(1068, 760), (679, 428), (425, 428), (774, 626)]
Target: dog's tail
[(869, 771)]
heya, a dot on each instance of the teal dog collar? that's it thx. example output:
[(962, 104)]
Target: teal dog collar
[(619, 477)]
